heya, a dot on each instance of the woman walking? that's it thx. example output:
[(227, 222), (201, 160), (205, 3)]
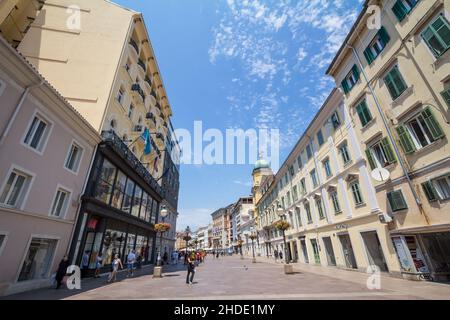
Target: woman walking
[(116, 263), (275, 254), (98, 265)]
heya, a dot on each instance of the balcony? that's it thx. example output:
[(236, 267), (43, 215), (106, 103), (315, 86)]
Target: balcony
[(134, 45), (137, 88), (111, 140), (141, 64)]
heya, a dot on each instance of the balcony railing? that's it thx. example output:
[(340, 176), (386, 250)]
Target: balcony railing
[(134, 45), (136, 87), (147, 79), (115, 142), (142, 64)]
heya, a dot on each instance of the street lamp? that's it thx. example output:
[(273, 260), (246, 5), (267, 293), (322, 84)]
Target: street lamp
[(160, 228), (283, 227), (253, 237), (186, 238), (163, 214)]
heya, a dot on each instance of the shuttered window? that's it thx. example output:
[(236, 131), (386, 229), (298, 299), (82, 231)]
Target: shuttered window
[(402, 8), (430, 191), (446, 95), (363, 113), (437, 36), (377, 45), (351, 79), (396, 200), (395, 83)]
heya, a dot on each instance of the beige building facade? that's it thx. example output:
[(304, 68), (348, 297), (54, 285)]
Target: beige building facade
[(396, 81)]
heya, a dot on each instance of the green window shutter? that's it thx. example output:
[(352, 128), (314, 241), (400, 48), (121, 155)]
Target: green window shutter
[(396, 200), (386, 145), (369, 55), (355, 71), (391, 87), (429, 190), (398, 81), (433, 125), (384, 36), (399, 10), (442, 29), (405, 139), (364, 113), (446, 95), (370, 159), (345, 86)]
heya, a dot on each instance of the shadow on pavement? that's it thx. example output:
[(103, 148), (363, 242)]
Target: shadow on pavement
[(88, 284)]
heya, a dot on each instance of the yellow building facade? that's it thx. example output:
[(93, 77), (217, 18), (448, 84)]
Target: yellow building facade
[(396, 80)]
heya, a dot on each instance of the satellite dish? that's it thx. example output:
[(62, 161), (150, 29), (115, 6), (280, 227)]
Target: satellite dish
[(380, 174)]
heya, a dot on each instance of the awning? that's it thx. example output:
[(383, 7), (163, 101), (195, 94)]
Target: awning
[(423, 229)]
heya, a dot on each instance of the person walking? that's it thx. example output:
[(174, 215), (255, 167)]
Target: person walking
[(281, 256), (275, 254), (62, 271), (116, 263), (190, 270), (98, 265), (85, 264), (131, 259), (165, 258)]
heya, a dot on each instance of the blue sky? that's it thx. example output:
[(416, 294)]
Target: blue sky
[(242, 64)]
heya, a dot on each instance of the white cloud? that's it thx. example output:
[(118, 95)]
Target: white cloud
[(194, 218)]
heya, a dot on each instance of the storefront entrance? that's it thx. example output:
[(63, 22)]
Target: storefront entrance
[(329, 251), (374, 250), (295, 251), (347, 249), (304, 250), (315, 251), (437, 248)]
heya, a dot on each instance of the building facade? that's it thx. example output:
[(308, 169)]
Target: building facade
[(396, 81), (46, 149), (115, 83)]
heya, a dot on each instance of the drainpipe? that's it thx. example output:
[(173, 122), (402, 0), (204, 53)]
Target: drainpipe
[(390, 136), (17, 109)]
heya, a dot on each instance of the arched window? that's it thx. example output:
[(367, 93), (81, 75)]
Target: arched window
[(131, 111)]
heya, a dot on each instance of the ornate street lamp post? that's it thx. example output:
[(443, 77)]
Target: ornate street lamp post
[(253, 236), (160, 228), (186, 238), (283, 225)]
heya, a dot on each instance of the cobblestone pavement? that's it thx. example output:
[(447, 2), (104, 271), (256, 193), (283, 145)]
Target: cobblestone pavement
[(233, 278)]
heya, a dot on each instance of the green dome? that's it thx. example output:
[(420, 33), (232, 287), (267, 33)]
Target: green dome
[(261, 164)]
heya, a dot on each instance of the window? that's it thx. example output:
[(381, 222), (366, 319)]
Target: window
[(74, 157), (295, 193), (38, 259), (291, 170), (363, 113), (396, 200), (320, 140), (120, 95), (308, 151), (299, 161), (105, 182), (135, 209), (59, 206), (37, 133), (313, 175), (437, 189), (327, 167), (351, 79), (343, 150), (303, 186), (298, 217), (395, 83), (437, 36), (288, 196), (320, 209), (15, 189), (356, 192), (402, 8), (308, 213), (446, 95), (283, 204), (131, 111), (420, 131), (335, 121), (377, 45), (335, 201), (380, 154)]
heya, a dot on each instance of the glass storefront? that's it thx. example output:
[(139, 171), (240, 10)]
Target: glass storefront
[(38, 259)]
